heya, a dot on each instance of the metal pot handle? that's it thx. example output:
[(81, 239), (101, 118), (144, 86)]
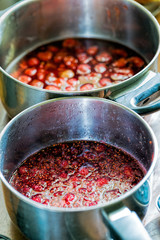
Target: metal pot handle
[(122, 223), (143, 99)]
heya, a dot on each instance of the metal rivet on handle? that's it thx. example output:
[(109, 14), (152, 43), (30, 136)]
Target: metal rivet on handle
[(158, 202)]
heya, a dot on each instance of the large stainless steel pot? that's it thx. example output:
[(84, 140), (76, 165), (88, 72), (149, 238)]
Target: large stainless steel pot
[(75, 118), (31, 23)]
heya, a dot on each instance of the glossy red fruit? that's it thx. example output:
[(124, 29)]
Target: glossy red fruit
[(70, 61), (72, 81), (53, 49), (118, 77), (84, 58), (70, 43), (94, 77), (37, 83), (70, 89), (92, 50), (104, 57), (31, 71), (120, 52), (53, 88), (137, 61), (41, 73), (23, 64), (33, 61), (100, 68), (67, 74), (23, 170), (45, 56), (25, 79), (120, 62), (87, 86), (83, 69), (105, 82), (50, 78)]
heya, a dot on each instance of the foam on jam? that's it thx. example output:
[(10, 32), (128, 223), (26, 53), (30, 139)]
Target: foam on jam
[(77, 65), (77, 174)]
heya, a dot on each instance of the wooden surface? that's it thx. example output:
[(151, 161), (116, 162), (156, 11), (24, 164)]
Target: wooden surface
[(8, 229)]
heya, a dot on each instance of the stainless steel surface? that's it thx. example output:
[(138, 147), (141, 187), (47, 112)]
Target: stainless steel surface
[(126, 22), (65, 120)]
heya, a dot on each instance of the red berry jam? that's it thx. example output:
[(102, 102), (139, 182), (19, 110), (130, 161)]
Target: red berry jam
[(77, 174), (77, 65)]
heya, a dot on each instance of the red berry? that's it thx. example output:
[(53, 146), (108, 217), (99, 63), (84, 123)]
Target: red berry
[(53, 48), (137, 61), (31, 71), (100, 68), (70, 43), (23, 64), (25, 79), (37, 83), (41, 73), (105, 81), (83, 69), (70, 88), (92, 50), (120, 62), (87, 86), (33, 61), (53, 88), (104, 57), (23, 169), (45, 56), (120, 52)]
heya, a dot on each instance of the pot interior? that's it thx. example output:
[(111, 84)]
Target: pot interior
[(69, 119), (31, 23)]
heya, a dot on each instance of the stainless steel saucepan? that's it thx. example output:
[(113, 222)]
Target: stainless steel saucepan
[(31, 23), (78, 118)]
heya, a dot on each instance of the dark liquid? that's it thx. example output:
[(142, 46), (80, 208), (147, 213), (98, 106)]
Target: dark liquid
[(77, 174), (78, 65)]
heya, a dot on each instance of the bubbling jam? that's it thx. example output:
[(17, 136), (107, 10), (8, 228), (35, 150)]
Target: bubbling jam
[(77, 174), (77, 65)]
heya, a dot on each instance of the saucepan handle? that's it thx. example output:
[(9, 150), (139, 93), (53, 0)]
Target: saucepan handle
[(124, 224), (143, 99)]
